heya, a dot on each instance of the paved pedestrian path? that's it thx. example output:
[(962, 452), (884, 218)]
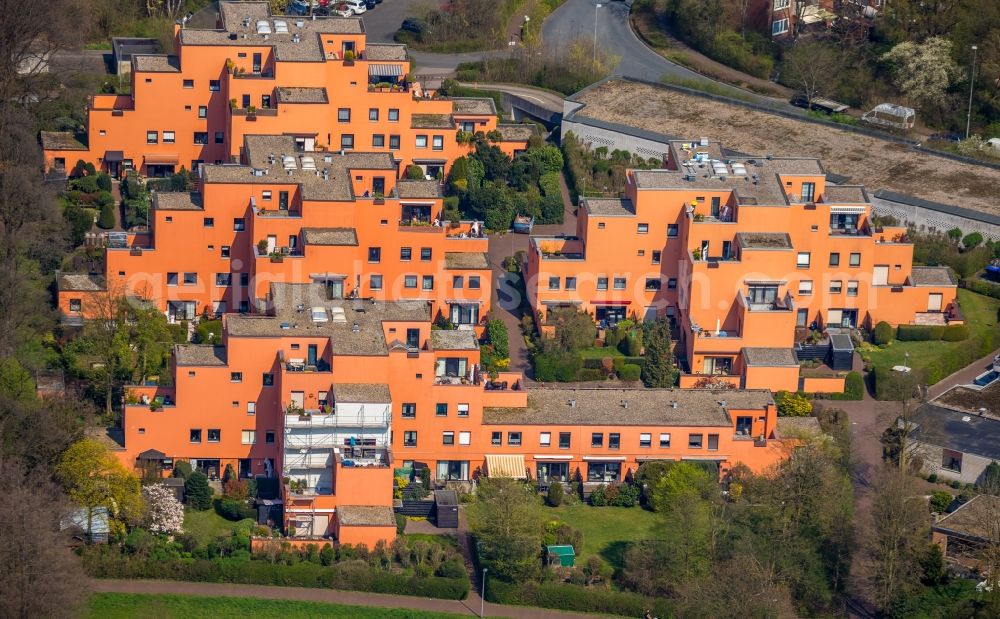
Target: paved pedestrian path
[(469, 607)]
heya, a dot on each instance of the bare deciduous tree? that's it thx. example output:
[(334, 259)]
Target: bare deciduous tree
[(896, 536), (41, 576)]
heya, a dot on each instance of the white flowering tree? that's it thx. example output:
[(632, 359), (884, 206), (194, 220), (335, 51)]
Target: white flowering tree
[(164, 513)]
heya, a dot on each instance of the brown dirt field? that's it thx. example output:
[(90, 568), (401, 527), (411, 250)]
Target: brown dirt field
[(875, 163)]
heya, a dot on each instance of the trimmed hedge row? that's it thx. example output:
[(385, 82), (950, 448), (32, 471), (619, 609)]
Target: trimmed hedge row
[(575, 598), (924, 333), (854, 388), (982, 286), (596, 363), (350, 575)]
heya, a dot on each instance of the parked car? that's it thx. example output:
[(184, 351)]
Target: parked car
[(819, 104), (370, 4), (357, 6), (298, 7), (416, 26)]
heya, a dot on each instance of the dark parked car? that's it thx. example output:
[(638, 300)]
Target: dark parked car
[(370, 4), (298, 7), (416, 26), (819, 104)]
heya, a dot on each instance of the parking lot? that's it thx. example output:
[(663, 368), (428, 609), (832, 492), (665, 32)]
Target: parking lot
[(382, 21)]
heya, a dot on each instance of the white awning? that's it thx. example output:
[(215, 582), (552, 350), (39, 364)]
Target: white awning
[(604, 458), (505, 465), (385, 70), (847, 210)]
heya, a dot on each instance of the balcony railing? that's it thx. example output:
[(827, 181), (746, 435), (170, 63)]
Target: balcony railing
[(784, 304)]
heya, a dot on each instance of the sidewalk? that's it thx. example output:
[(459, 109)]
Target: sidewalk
[(468, 607)]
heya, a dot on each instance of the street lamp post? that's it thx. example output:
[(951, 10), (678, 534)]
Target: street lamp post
[(482, 599), (596, 6), (972, 85)]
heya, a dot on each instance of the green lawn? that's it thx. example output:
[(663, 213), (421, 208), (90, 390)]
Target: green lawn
[(206, 525), (446, 539), (127, 605), (980, 316), (607, 531), (599, 352)]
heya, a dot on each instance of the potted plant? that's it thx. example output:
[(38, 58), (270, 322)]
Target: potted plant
[(262, 247), (349, 58), (251, 112), (379, 197), (229, 66), (699, 217), (696, 253), (232, 104)]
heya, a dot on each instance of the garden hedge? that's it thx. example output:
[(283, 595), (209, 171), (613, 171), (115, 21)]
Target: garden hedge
[(630, 371), (575, 598), (924, 333), (882, 334), (891, 385), (981, 286), (349, 575), (556, 368), (854, 388)]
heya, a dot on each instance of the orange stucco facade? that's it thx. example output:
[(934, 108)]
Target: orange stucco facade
[(744, 253)]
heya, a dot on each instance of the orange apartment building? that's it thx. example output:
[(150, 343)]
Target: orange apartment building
[(334, 394), (293, 215), (743, 253), (257, 74)]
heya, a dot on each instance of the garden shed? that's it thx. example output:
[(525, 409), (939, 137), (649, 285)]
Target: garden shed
[(446, 509), (561, 555)]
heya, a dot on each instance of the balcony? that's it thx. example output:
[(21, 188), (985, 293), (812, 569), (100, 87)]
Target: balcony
[(784, 304), (848, 232), (363, 457), (891, 235), (506, 390), (559, 248), (113, 103)]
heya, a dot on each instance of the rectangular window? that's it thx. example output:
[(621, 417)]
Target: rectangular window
[(441, 409), (602, 283), (545, 439), (202, 111), (656, 256), (239, 224), (619, 283), (951, 460), (457, 282), (653, 283), (269, 437), (248, 437), (614, 440), (462, 410), (803, 259), (223, 279), (171, 279), (151, 137), (374, 254), (75, 305), (474, 282), (437, 142), (671, 230), (213, 86), (597, 439), (195, 436), (214, 435), (836, 286), (375, 282), (553, 283), (208, 222), (373, 113), (570, 283), (190, 279), (425, 254), (220, 137), (672, 283), (665, 439), (514, 439), (378, 141), (496, 439), (393, 142), (779, 26), (344, 115), (169, 137), (236, 377), (188, 83), (603, 472), (645, 440), (267, 379), (409, 281), (251, 409), (835, 259), (265, 101), (347, 141), (224, 251), (409, 410), (713, 442), (393, 115), (694, 441), (410, 438), (781, 4), (447, 437), (421, 141), (642, 228), (564, 439), (852, 288), (855, 259), (806, 287), (427, 282), (465, 438), (405, 253), (201, 137)]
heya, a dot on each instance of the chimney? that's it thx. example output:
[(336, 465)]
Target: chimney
[(673, 404), (572, 403), (355, 328), (624, 403)]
